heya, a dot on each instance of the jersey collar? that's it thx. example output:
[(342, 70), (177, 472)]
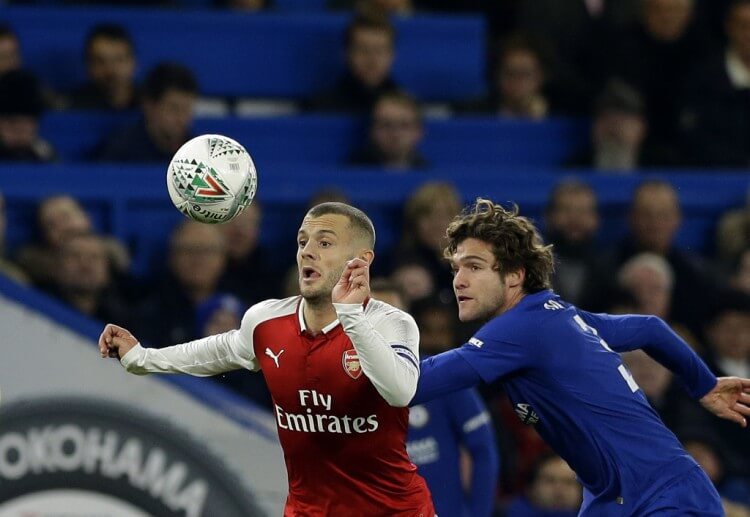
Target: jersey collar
[(303, 327)]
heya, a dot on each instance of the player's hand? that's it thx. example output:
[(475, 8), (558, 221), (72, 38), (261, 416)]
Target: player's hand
[(354, 284), (116, 341), (729, 399)]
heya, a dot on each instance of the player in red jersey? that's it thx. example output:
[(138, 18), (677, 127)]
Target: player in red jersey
[(340, 367)]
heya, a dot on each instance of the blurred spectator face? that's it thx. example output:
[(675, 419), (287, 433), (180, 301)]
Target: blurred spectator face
[(18, 131), (169, 118), (84, 265), (667, 20), (729, 335), (414, 280), (390, 296), (738, 30), (429, 211), (520, 79), (370, 55), (242, 233), (574, 215), (655, 217), (652, 377), (111, 63), (555, 487), (59, 218), (619, 128), (650, 284), (396, 130), (706, 458), (389, 6), (10, 53), (435, 330), (431, 226), (198, 256), (741, 277)]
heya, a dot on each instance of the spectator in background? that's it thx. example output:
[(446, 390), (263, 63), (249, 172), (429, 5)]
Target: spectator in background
[(10, 50), (83, 279), (387, 291), (707, 450), (655, 56), (387, 7), (740, 278), (110, 65), (197, 259), (733, 233), (168, 99), (370, 51), (21, 107), (59, 218), (427, 213), (441, 428), (727, 332), (414, 280), (618, 131), (654, 218), (572, 222), (517, 82), (553, 491), (395, 132), (8, 268), (250, 272), (714, 121), (221, 313)]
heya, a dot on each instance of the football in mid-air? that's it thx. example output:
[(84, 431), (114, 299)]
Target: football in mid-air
[(211, 179)]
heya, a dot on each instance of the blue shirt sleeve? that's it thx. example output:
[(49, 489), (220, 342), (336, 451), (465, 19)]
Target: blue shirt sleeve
[(630, 332), (471, 418), (494, 355), (442, 374)]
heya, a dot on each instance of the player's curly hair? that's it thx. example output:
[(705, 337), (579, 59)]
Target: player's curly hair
[(516, 243)]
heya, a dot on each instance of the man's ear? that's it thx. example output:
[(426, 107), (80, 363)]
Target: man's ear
[(367, 255), (515, 278)]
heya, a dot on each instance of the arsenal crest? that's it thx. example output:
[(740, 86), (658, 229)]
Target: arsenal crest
[(351, 364)]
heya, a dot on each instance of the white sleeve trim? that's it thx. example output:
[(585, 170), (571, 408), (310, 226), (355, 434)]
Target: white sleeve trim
[(387, 344)]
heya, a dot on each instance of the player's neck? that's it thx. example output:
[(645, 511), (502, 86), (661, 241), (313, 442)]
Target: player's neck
[(318, 315), (512, 298)]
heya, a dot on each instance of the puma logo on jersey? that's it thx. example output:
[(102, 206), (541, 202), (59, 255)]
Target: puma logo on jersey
[(552, 305), (273, 356), (526, 414)]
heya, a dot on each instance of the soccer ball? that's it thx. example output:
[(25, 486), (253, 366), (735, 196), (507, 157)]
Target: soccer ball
[(211, 179)]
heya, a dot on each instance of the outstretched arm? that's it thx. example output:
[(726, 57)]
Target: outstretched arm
[(726, 397), (442, 374), (202, 358)]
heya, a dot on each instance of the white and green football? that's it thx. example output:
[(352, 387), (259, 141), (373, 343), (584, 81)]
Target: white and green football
[(211, 179)]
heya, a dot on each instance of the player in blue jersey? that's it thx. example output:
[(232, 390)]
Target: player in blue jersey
[(440, 428), (561, 369)]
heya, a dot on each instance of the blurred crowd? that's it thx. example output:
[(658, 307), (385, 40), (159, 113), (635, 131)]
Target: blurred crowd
[(664, 83)]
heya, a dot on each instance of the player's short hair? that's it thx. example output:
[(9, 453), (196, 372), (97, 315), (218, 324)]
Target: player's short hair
[(110, 31), (516, 243), (370, 21), (358, 220), (570, 186), (168, 76)]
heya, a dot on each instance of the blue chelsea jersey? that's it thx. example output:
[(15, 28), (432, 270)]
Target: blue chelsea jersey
[(569, 382)]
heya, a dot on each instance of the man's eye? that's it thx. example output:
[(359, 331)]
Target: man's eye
[(324, 244), (301, 244), (475, 268)]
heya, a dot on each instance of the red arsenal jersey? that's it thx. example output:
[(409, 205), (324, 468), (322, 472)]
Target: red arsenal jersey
[(344, 445)]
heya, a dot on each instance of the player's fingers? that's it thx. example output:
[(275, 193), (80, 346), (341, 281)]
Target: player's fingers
[(735, 417), (742, 408)]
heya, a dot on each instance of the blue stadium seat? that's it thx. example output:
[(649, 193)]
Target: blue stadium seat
[(329, 140), (270, 55)]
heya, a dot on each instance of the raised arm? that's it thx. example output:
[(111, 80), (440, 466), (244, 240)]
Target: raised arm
[(203, 357), (386, 340), (649, 333), (726, 397)]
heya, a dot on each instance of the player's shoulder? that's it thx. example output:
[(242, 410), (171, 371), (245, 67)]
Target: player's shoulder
[(270, 309)]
